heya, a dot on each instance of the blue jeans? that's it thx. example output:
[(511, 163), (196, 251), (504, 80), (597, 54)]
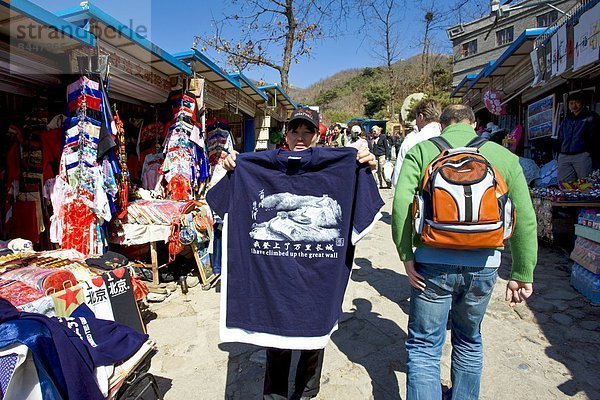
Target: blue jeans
[(464, 292)]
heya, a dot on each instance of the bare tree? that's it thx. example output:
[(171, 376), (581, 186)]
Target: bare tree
[(436, 18), (272, 33), (383, 22), (468, 10)]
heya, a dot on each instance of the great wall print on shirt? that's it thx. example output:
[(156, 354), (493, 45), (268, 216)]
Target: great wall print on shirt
[(290, 225)]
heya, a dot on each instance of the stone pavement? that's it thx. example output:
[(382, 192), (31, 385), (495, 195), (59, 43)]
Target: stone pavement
[(548, 348)]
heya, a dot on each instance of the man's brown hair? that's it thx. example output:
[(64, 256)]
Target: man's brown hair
[(430, 109)]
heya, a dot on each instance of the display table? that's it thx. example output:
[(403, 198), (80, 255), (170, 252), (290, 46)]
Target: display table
[(556, 219), (580, 204), (152, 221), (136, 234)]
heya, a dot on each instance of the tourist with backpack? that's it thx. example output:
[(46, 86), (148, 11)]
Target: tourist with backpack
[(458, 197)]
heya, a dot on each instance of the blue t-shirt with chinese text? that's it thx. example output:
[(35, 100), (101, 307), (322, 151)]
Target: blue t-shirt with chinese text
[(293, 220)]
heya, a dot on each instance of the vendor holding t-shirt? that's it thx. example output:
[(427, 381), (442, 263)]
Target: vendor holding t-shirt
[(302, 133), (577, 137)]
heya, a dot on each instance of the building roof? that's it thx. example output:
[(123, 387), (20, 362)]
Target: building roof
[(204, 66), (144, 50), (513, 55), (477, 82), (248, 87), (461, 88), (23, 13), (273, 89)]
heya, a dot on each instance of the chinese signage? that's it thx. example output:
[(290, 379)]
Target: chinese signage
[(586, 37), (127, 65), (215, 97)]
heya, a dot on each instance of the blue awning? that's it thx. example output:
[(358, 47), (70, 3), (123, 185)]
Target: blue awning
[(285, 99), (514, 54), (477, 82), (461, 89), (25, 22), (204, 66), (248, 87), (122, 36)]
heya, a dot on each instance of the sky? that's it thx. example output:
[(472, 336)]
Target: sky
[(172, 25)]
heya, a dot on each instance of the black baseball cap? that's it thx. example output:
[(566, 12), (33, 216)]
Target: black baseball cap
[(306, 114)]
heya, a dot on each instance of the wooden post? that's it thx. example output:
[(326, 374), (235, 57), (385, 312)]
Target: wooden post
[(154, 257)]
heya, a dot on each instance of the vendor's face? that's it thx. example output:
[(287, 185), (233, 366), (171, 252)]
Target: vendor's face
[(575, 106), (301, 138), (336, 130)]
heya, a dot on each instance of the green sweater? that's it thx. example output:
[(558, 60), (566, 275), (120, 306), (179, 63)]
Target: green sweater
[(523, 242)]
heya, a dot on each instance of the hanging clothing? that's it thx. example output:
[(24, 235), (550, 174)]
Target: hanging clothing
[(151, 170)]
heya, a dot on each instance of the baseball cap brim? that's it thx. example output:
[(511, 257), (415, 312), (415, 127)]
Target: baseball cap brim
[(304, 118), (307, 115)]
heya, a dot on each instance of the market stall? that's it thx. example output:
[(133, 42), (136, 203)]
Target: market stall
[(557, 208), (93, 295)]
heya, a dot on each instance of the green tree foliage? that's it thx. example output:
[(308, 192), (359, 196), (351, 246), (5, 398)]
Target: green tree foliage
[(333, 116), (327, 96), (376, 99)]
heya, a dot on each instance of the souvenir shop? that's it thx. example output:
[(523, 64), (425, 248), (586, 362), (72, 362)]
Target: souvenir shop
[(279, 106), (520, 101), (561, 72), (61, 174)]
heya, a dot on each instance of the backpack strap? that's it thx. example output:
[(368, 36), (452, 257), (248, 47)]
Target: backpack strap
[(441, 143), (477, 142)]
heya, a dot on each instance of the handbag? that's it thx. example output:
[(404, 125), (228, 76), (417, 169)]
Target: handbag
[(175, 245)]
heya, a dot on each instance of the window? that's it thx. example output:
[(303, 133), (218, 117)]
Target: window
[(504, 36), (547, 19), (469, 48)]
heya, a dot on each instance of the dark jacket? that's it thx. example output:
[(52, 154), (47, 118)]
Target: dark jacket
[(579, 134), (380, 147)]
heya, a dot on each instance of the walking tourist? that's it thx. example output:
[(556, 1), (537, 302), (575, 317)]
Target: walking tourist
[(427, 113), (454, 266)]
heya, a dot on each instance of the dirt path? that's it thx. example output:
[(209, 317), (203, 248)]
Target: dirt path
[(547, 349)]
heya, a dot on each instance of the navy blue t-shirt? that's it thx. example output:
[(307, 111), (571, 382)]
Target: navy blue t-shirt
[(292, 217)]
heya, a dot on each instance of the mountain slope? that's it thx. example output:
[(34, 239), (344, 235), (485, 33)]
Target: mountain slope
[(347, 93)]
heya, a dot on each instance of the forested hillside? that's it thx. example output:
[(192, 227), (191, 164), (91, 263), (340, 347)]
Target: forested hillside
[(365, 92)]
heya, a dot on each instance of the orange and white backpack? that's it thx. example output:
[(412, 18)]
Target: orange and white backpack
[(463, 202)]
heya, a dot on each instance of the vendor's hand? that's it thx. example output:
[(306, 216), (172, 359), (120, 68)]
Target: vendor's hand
[(365, 156), (229, 162), (517, 291), (414, 278)]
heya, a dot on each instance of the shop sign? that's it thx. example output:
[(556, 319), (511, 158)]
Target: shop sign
[(282, 112), (586, 38), (540, 117), (247, 104), (231, 96), (215, 97), (129, 66), (273, 114), (241, 101), (559, 51)]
